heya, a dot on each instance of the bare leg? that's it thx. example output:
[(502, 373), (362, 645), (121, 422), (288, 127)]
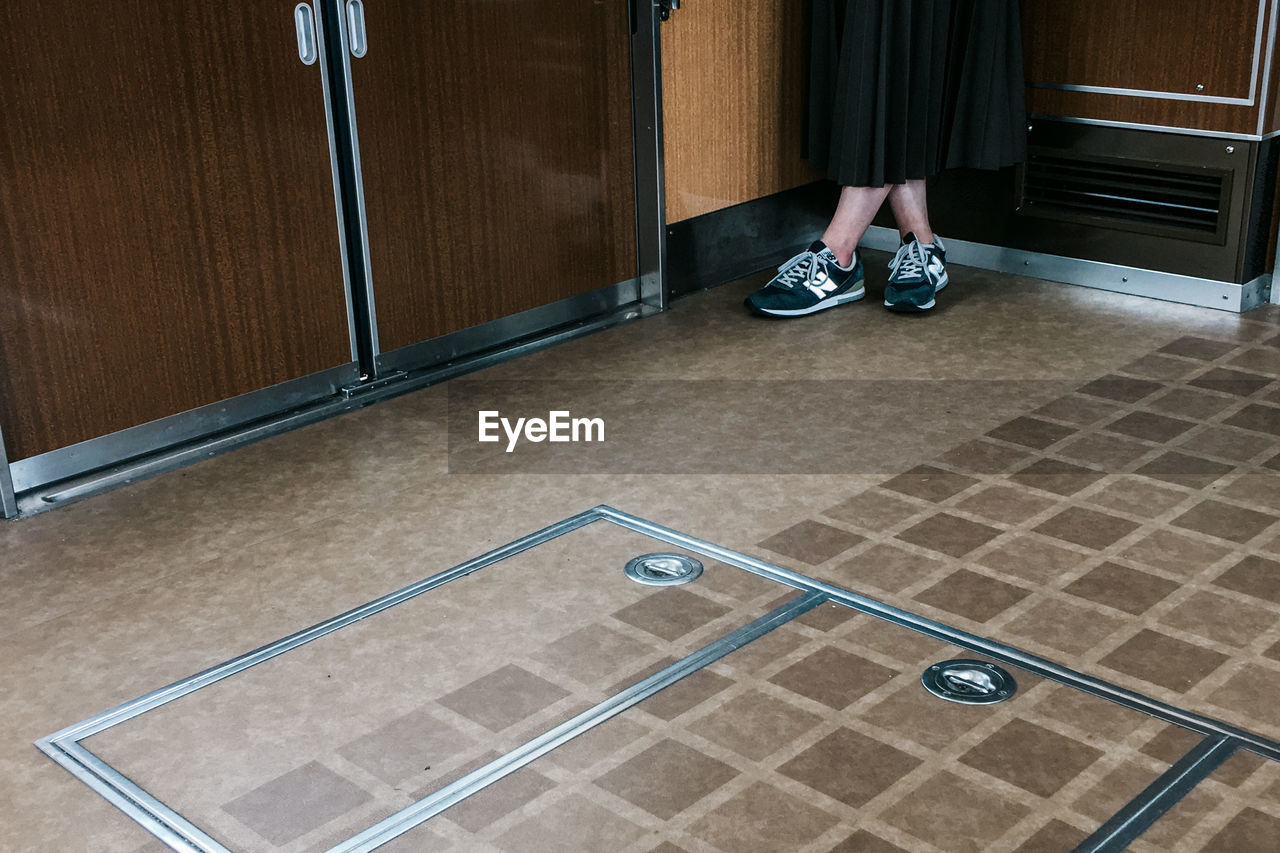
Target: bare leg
[(911, 210), (858, 206)]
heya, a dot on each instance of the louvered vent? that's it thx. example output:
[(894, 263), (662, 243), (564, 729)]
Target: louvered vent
[(1165, 198)]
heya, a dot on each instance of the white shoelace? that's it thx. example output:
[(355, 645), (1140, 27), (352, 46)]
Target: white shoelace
[(802, 268), (910, 261)]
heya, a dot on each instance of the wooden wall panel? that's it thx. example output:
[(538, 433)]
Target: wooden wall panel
[(168, 236), (733, 103), (1156, 45), (496, 150), (1152, 45)]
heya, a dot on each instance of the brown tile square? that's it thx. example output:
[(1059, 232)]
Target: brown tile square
[(1233, 523), (917, 716), (1155, 366), (873, 510), (689, 692), (1067, 627), (949, 534), (1237, 769), (1224, 620), (1273, 463), (864, 842), (1254, 575), (591, 827), (898, 643), (498, 800), (302, 800), (1031, 432), (1263, 359), (1087, 527), (1077, 409), (1031, 757), (1005, 504), (1201, 348), (1190, 404), (1261, 488), (1273, 652), (503, 697), (1244, 831), (1109, 452), (439, 777), (884, 567), (403, 747), (1258, 418), (1164, 660), (592, 653), (1181, 469), (1090, 714), (758, 654), (849, 767), (1228, 443), (1149, 426), (930, 483), (1237, 382), (1028, 556), (1116, 789), (764, 819), (834, 677), (972, 595), (1052, 475), (1252, 691), (754, 725), (1173, 742), (671, 613), (826, 617), (1175, 553), (596, 744), (1137, 496), (954, 815), (1121, 388), (1122, 588), (666, 778), (811, 542), (984, 457), (733, 582), (1054, 837)]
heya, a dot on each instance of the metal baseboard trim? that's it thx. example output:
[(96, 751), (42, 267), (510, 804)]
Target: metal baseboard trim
[(1159, 128), (447, 348), (8, 499), (1153, 284), (997, 651), (1144, 810), (96, 479)]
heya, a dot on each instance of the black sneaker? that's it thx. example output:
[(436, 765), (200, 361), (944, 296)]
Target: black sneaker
[(812, 281), (919, 272)]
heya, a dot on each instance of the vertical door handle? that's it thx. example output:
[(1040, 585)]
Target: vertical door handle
[(304, 21), (355, 28)]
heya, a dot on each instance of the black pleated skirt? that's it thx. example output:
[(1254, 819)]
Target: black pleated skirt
[(901, 89)]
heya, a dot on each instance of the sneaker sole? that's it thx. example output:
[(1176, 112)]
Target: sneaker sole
[(829, 302), (908, 308)]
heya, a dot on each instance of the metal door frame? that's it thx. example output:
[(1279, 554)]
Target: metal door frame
[(608, 305)]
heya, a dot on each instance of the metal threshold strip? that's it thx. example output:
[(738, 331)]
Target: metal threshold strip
[(65, 746)]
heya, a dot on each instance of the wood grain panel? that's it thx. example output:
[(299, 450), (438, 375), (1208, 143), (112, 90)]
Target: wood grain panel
[(496, 150), (1154, 45), (167, 229), (733, 103)]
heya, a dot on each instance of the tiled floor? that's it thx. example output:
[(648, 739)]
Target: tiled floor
[(1092, 477)]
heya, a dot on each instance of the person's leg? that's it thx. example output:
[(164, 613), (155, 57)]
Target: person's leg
[(911, 211), (857, 207)]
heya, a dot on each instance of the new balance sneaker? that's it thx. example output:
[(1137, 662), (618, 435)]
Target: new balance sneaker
[(919, 272), (812, 281)]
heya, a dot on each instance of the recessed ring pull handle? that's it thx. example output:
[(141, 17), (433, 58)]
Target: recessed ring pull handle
[(304, 21), (355, 28)]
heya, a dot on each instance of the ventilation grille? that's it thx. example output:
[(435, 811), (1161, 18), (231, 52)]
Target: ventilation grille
[(1163, 199)]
